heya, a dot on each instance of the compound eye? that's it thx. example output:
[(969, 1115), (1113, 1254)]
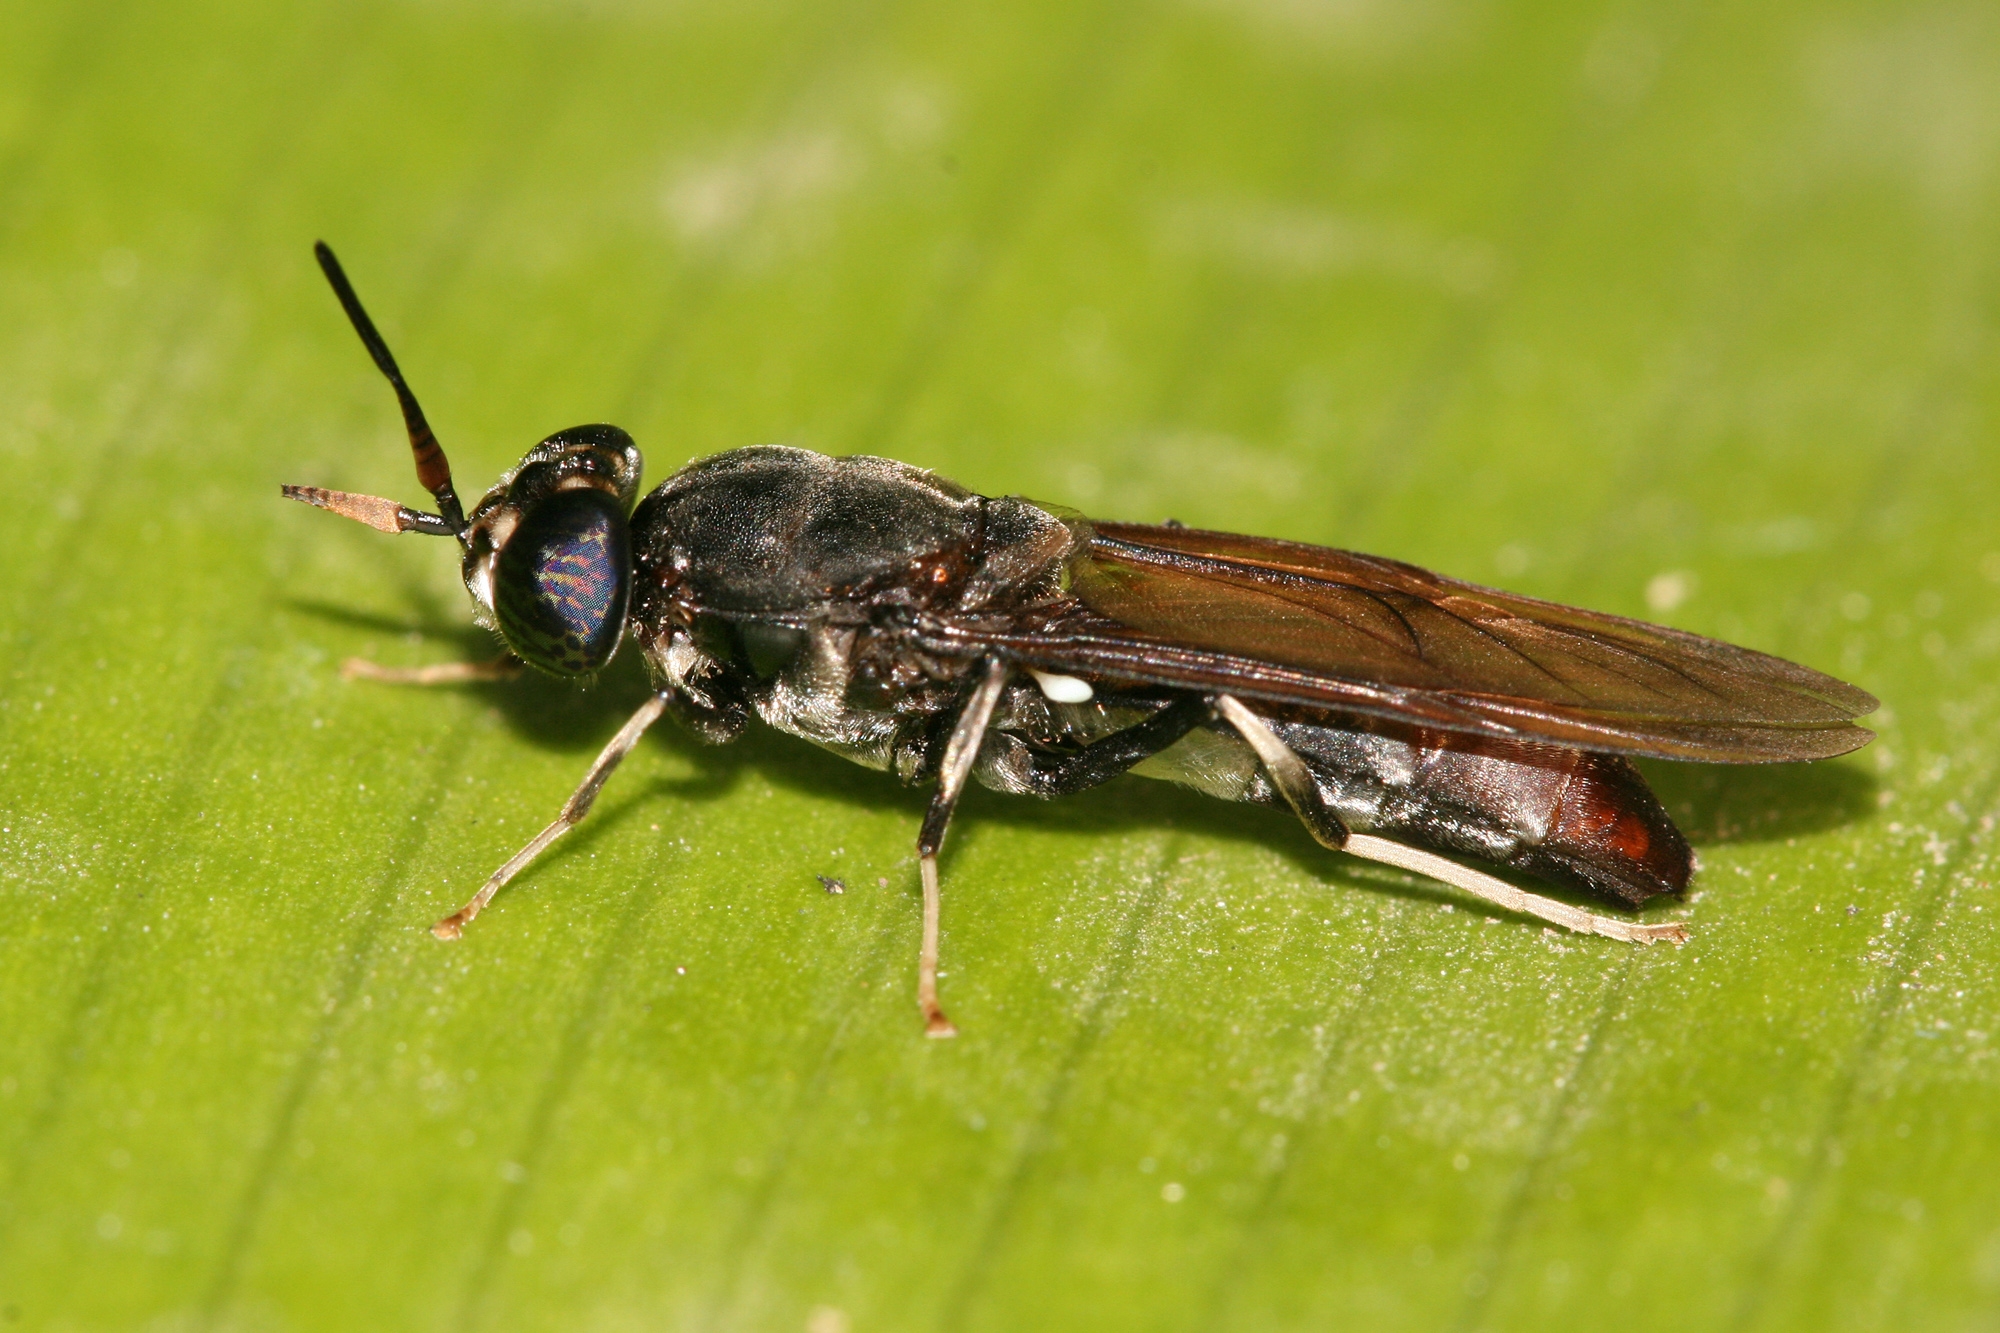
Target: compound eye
[(563, 580)]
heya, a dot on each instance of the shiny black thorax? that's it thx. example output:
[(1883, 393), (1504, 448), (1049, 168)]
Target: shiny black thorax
[(802, 587)]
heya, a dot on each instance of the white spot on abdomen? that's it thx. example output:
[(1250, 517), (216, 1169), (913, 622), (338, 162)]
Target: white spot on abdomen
[(1062, 689)]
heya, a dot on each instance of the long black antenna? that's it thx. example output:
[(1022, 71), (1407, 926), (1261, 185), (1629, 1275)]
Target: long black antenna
[(433, 468)]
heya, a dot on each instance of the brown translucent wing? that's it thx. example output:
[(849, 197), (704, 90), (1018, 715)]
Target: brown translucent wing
[(1305, 625)]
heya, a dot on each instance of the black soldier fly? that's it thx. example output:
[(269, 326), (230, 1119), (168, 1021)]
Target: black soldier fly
[(913, 626)]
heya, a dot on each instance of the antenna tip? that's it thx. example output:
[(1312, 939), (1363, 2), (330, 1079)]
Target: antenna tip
[(378, 513)]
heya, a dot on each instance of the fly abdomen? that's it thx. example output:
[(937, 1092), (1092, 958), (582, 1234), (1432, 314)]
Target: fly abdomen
[(1611, 833), (1571, 817)]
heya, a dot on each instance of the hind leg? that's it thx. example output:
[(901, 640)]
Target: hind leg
[(1294, 781)]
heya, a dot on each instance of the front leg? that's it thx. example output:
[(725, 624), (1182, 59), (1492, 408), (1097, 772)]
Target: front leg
[(959, 753), (504, 667), (574, 809)]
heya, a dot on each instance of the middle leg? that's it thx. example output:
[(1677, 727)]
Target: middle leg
[(959, 753)]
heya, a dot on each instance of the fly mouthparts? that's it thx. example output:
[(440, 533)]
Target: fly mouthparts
[(378, 513)]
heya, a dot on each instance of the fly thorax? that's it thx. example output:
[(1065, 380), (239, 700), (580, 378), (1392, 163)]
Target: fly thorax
[(809, 698), (777, 532), (773, 532)]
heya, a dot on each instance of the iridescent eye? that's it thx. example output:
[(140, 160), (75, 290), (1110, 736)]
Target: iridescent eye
[(563, 580)]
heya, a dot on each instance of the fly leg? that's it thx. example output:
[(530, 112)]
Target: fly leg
[(1105, 758), (1294, 781), (504, 667), (574, 809), (959, 753)]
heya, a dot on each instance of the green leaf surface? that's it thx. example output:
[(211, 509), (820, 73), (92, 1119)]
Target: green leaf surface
[(1672, 310)]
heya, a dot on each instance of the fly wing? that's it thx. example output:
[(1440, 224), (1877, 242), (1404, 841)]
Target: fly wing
[(1313, 627)]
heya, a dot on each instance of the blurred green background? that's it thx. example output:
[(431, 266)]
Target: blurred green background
[(1676, 310)]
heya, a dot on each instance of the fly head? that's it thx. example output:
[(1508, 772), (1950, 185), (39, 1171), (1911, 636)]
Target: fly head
[(547, 552)]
